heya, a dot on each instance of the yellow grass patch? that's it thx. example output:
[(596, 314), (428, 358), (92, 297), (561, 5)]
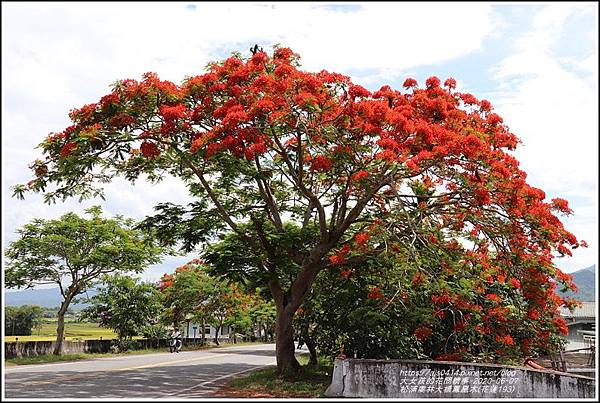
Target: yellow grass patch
[(73, 331)]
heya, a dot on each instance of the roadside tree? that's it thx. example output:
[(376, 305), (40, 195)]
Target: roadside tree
[(125, 305), (185, 294), (263, 314), (394, 308), (74, 253), (21, 320), (304, 172), (226, 306)]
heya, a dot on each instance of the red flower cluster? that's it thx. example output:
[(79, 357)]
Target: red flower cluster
[(345, 273), (440, 299), (561, 205), (339, 257), (493, 297), (432, 82), (321, 163), (149, 150), (450, 83), (362, 238), (515, 283), (505, 339), (410, 82), (357, 91), (360, 175), (173, 112), (67, 149), (561, 326), (423, 333), (165, 281), (419, 278), (375, 293), (533, 314)]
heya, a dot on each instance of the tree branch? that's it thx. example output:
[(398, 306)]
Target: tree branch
[(267, 195), (309, 195), (224, 215)]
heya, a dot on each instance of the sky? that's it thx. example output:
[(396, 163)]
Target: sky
[(536, 63)]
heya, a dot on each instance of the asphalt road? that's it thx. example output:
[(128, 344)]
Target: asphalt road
[(188, 374)]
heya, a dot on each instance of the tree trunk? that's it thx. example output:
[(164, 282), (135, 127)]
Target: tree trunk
[(287, 365), (203, 332), (217, 334), (287, 303), (60, 328), (312, 350)]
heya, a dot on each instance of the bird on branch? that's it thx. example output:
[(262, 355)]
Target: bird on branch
[(255, 48)]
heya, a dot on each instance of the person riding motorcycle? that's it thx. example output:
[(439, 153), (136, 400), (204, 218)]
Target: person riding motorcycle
[(176, 341)]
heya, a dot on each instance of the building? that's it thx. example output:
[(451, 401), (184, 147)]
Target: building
[(194, 331), (583, 318)]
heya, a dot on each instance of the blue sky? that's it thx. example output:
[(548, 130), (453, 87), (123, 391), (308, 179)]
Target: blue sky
[(536, 63)]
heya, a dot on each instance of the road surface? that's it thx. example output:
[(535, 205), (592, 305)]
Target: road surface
[(188, 374)]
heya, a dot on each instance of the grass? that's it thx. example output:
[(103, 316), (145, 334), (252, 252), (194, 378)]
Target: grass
[(311, 382), (73, 331), (49, 358)]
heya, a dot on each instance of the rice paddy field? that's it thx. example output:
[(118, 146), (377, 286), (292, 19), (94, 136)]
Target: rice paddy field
[(73, 331)]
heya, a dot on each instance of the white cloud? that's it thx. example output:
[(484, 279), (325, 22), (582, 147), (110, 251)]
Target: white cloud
[(582, 224), (58, 56), (97, 43), (551, 103)]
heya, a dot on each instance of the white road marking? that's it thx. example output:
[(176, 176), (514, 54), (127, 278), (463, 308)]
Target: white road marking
[(178, 393), (97, 373)]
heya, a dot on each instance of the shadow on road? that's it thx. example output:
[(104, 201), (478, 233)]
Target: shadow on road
[(167, 381), (265, 353)]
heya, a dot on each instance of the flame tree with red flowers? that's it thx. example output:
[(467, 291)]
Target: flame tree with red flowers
[(192, 293), (308, 172), (431, 304), (184, 294)]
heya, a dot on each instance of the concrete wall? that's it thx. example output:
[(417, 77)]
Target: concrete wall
[(442, 379), (32, 348)]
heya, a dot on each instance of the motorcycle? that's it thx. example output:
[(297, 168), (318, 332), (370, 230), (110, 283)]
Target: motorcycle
[(175, 344)]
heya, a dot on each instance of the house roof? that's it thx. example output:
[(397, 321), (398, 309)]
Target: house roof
[(586, 310)]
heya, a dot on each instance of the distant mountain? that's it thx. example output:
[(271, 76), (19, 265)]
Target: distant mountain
[(585, 280), (45, 297)]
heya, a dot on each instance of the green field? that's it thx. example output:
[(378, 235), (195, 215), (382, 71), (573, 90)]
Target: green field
[(73, 331)]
